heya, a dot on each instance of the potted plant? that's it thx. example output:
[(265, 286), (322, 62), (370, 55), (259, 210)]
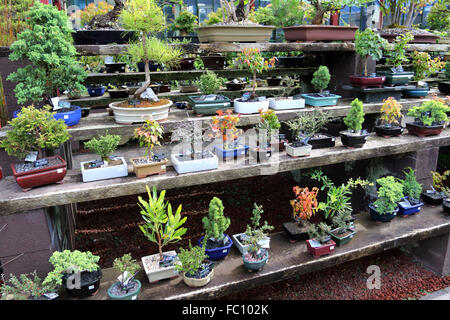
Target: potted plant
[(161, 227), (190, 158), (47, 44), (389, 122), (286, 102), (395, 57), (251, 60), (354, 136), (235, 85), (120, 92), (78, 272), (127, 287), (424, 66), (444, 86), (34, 135), (213, 61), (385, 207), (96, 90), (224, 125), (210, 102), (195, 269), (232, 24), (185, 23), (109, 166), (268, 139), (188, 86), (218, 244), (411, 189), (149, 135), (368, 44), (320, 81), (319, 242), (26, 287), (429, 118), (446, 201), (436, 194), (146, 17), (304, 206)]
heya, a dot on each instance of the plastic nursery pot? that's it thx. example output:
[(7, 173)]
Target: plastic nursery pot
[(198, 282), (318, 249), (405, 209), (96, 91), (353, 140), (422, 131), (433, 198), (342, 238), (381, 217), (387, 132), (115, 293), (255, 265), (446, 206), (220, 252), (90, 282)]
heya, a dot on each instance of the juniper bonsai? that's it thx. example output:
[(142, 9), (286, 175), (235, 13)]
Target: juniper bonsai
[(411, 188), (210, 83), (321, 78), (215, 223), (104, 146), (256, 232)]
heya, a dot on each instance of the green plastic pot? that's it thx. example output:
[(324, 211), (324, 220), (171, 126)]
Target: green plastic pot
[(128, 296)]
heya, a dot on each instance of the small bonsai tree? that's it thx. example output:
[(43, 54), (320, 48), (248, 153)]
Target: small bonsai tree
[(323, 7), (268, 121), (104, 146), (26, 286), (161, 225), (289, 13), (305, 204), (149, 135), (67, 261), (389, 193), (395, 56), (256, 232), (307, 125), (224, 125), (438, 180), (34, 130), (390, 112), (48, 45), (411, 188), (319, 232), (192, 262), (210, 83), (127, 268), (369, 44), (90, 11), (424, 66), (355, 116), (321, 79), (215, 223), (430, 113), (185, 23)]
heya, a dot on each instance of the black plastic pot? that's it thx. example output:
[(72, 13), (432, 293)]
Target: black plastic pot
[(446, 206), (335, 126), (386, 132), (102, 36), (433, 199), (444, 87), (324, 142), (213, 62), (115, 67), (381, 217), (152, 66), (119, 94), (353, 140), (90, 282)]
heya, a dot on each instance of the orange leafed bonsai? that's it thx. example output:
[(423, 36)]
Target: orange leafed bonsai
[(305, 205)]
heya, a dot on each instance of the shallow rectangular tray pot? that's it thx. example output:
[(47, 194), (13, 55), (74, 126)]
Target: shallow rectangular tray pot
[(320, 101), (342, 240), (322, 250), (397, 78), (209, 107), (244, 248), (320, 33), (194, 165), (160, 273), (225, 154), (234, 33), (109, 172), (301, 151), (286, 103), (144, 170)]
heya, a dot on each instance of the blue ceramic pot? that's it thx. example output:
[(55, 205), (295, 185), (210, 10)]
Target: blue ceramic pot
[(405, 210), (381, 217), (70, 118), (255, 265), (320, 101), (224, 154), (96, 91), (416, 93), (218, 253)]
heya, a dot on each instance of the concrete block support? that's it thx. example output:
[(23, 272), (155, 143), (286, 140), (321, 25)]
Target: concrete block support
[(434, 253)]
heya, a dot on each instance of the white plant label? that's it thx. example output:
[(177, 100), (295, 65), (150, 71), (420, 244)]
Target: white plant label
[(66, 116), (59, 171), (163, 167), (331, 248), (224, 251), (32, 156), (133, 297), (91, 287), (55, 103)]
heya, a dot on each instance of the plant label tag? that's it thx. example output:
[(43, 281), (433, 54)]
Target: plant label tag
[(224, 251), (163, 167), (421, 83), (133, 297), (333, 139), (55, 103), (430, 191), (51, 295), (235, 81), (59, 171), (91, 287), (331, 248), (31, 157), (124, 276), (66, 116), (109, 59), (314, 243)]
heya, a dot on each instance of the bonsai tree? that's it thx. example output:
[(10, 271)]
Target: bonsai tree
[(24, 287), (430, 113), (305, 204), (321, 79), (438, 180), (439, 16), (256, 232), (402, 10), (389, 193), (149, 135), (161, 225), (390, 112), (210, 83), (104, 146), (193, 263), (395, 56), (424, 66), (411, 188), (215, 223), (127, 268), (318, 232), (185, 23), (224, 125), (34, 130), (307, 125), (252, 60), (369, 44), (447, 70), (83, 17), (288, 13), (146, 17), (324, 6), (12, 20), (268, 121), (355, 116), (66, 261), (48, 45)]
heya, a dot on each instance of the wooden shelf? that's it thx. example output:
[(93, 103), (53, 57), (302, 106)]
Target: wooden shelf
[(13, 200)]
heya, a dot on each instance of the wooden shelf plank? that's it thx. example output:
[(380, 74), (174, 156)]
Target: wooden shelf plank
[(287, 259), (13, 200)]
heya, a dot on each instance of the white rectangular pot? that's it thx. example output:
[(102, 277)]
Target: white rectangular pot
[(104, 173), (298, 152), (194, 165), (244, 248), (250, 107), (159, 273), (286, 103)]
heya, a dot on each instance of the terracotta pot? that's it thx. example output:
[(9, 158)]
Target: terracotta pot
[(144, 170), (423, 131), (320, 33)]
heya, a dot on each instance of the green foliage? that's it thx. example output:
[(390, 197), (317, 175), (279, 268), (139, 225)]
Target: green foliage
[(161, 225), (67, 261), (355, 116), (126, 264), (308, 123), (369, 43), (268, 120), (439, 16), (389, 193), (411, 188), (185, 22), (155, 50), (215, 223), (396, 55), (289, 84), (318, 232), (438, 179), (321, 78), (144, 16), (263, 15), (430, 112), (24, 287), (34, 130), (210, 83), (104, 146), (12, 19), (214, 17), (424, 66), (191, 260), (447, 70), (256, 232), (48, 45), (149, 135), (288, 13)]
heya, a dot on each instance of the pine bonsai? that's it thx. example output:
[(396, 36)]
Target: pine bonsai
[(355, 116), (48, 45), (321, 79), (104, 146), (215, 223), (26, 286), (411, 188)]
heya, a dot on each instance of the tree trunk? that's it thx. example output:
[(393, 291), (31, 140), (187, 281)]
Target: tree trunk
[(320, 11), (254, 86), (3, 110), (146, 69)]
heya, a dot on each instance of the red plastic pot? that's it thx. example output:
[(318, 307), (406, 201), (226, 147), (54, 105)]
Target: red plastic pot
[(39, 177), (365, 82), (322, 250)]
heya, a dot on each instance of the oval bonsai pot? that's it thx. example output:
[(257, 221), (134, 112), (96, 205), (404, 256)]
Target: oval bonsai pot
[(255, 265), (365, 82), (382, 217), (138, 115), (320, 33), (353, 140), (408, 210), (446, 206), (115, 67), (231, 86), (96, 91), (433, 199), (90, 282), (71, 117), (132, 295), (422, 131), (119, 94), (213, 62), (198, 282), (245, 107), (218, 253), (444, 87), (416, 92), (102, 36), (387, 132)]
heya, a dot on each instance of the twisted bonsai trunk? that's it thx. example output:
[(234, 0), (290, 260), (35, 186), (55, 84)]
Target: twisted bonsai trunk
[(146, 70)]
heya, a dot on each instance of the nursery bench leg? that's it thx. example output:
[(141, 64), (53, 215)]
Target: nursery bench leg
[(434, 253)]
